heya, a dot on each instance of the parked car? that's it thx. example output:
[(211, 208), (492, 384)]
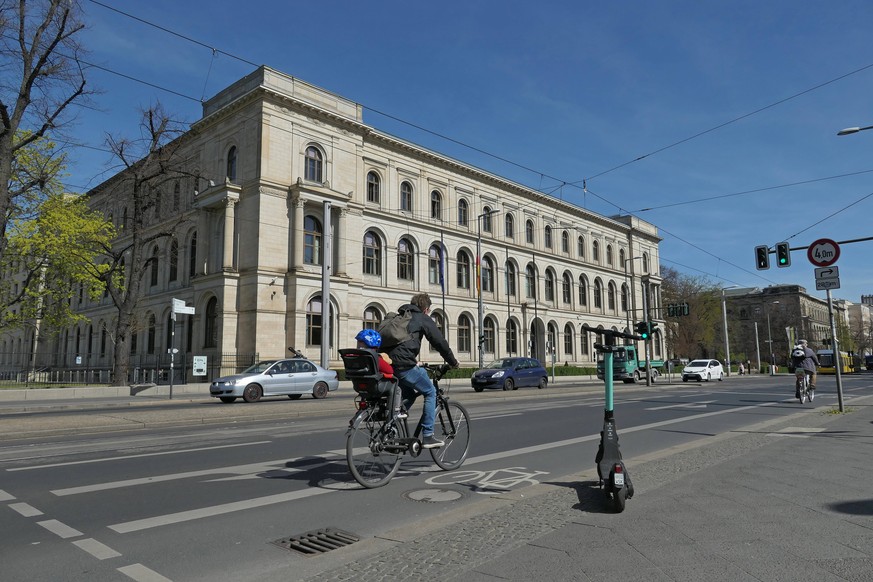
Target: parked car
[(701, 370), (293, 377), (510, 374)]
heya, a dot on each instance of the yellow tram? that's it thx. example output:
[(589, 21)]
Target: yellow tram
[(827, 363)]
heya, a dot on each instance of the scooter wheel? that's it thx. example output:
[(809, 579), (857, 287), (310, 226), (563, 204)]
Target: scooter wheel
[(618, 499)]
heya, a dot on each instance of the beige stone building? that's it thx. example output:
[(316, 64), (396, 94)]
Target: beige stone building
[(299, 181)]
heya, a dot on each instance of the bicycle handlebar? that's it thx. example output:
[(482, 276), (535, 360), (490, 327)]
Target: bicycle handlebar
[(437, 370)]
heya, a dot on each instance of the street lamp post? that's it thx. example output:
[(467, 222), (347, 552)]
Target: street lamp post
[(633, 299), (479, 284), (770, 342), (727, 344), (850, 130)]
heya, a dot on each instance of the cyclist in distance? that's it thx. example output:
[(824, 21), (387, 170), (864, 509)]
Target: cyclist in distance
[(413, 378), (805, 362)]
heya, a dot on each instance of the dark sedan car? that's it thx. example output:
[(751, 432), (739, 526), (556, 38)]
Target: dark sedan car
[(510, 374)]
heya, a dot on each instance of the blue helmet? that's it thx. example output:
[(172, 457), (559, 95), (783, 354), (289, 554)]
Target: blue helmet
[(370, 337)]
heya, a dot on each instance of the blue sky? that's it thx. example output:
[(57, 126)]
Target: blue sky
[(733, 107)]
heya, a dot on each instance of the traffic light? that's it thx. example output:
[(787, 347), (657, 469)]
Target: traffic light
[(642, 328), (783, 255), (653, 326), (762, 257)]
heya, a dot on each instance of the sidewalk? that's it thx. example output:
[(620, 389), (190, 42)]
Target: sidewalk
[(790, 499)]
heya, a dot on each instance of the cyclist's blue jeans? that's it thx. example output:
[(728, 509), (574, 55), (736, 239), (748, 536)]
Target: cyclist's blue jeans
[(413, 382)]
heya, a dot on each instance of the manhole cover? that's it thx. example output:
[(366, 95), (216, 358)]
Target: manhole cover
[(433, 495)]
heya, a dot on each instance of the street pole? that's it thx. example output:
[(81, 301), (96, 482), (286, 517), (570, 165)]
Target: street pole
[(757, 348), (835, 344), (770, 342), (481, 306), (727, 343)]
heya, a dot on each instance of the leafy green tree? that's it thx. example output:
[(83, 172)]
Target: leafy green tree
[(42, 77)]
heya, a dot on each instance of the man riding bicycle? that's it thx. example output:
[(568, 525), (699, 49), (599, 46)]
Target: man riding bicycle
[(804, 361)]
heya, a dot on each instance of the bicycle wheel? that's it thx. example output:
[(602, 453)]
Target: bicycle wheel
[(452, 426), (370, 464)]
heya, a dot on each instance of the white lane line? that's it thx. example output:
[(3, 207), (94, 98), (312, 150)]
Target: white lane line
[(60, 529), (25, 509), (5, 496), (683, 406), (140, 456), (140, 573), (97, 549), (170, 518), (235, 470)]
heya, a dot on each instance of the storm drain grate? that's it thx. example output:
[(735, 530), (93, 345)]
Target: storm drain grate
[(318, 541)]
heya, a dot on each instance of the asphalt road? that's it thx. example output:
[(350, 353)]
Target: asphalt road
[(193, 500)]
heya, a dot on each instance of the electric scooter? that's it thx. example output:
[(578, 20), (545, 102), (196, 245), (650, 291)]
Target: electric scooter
[(614, 477)]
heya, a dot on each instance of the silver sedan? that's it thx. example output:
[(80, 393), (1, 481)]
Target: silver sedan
[(293, 377)]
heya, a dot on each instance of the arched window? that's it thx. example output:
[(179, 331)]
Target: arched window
[(621, 257), (583, 291), (487, 275), (174, 260), (547, 236), (406, 197), (210, 324), (550, 286), (568, 339), (486, 219), (405, 260), (511, 280), (529, 232), (373, 186), (153, 279), (312, 233), (177, 196), (511, 337), (372, 318), (465, 335), (530, 282), (436, 205), (463, 270), (598, 294), (150, 335), (372, 254), (489, 332), (192, 255), (231, 164), (510, 226), (567, 289), (583, 344), (314, 326), (314, 165), (580, 247), (624, 298), (645, 262), (609, 255), (610, 296), (595, 251), (565, 242), (435, 274), (463, 213)]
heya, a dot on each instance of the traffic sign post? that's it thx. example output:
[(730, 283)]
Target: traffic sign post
[(827, 278)]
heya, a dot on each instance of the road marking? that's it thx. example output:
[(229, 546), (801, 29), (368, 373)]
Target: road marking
[(60, 529), (683, 406), (25, 509), (98, 550), (140, 456), (5, 496), (170, 518), (140, 573)]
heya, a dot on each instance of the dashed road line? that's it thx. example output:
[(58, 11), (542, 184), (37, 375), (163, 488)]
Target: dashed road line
[(25, 509), (97, 549), (60, 529), (140, 573)]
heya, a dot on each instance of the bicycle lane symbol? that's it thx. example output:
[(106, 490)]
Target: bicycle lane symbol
[(489, 482)]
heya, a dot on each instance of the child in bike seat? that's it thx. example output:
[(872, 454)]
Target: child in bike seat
[(370, 339)]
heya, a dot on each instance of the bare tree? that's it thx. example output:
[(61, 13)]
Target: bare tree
[(152, 166), (694, 335), (41, 78)]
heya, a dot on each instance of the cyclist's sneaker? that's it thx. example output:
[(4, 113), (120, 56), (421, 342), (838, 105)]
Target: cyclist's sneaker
[(400, 414), (431, 442), (811, 394)]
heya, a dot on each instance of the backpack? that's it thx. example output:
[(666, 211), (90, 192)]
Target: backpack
[(798, 354), (394, 329)]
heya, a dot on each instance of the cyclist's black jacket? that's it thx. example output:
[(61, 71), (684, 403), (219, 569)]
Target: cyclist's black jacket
[(405, 355)]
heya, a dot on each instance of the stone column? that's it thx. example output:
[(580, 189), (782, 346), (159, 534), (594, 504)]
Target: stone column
[(227, 260), (299, 206), (340, 242)]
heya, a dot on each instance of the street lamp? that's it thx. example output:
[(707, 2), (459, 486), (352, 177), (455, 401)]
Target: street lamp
[(633, 298), (850, 130), (479, 284), (727, 344), (770, 343)]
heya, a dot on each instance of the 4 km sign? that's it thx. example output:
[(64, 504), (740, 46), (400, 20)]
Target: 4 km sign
[(823, 253)]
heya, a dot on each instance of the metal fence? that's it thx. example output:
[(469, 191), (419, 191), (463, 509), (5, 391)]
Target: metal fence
[(148, 369)]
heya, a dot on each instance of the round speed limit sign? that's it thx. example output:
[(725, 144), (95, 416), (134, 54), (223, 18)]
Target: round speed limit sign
[(823, 253)]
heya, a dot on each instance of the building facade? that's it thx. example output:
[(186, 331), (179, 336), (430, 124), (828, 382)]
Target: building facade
[(302, 196)]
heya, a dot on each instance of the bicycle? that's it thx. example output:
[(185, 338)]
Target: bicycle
[(804, 392), (377, 439)]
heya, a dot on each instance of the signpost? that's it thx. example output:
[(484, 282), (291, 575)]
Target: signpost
[(823, 253), (178, 307)]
